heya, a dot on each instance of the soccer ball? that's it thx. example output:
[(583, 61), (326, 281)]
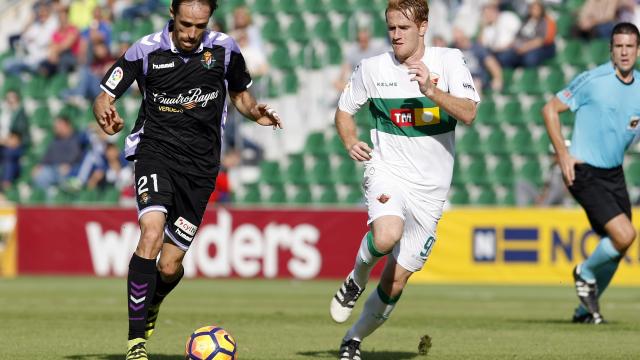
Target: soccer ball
[(211, 343)]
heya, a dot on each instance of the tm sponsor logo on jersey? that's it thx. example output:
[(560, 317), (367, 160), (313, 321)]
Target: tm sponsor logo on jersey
[(164, 66), (415, 117), (193, 98)]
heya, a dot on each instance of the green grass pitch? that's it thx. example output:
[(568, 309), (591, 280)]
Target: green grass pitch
[(78, 318)]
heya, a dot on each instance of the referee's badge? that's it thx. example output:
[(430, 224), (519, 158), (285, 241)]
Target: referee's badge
[(207, 60)]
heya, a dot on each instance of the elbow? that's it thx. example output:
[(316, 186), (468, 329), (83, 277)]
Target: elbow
[(469, 117)]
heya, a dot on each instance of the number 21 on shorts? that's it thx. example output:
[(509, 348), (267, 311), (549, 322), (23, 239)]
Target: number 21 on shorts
[(142, 183)]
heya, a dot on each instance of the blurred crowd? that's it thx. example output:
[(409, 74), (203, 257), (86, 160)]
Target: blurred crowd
[(77, 38)]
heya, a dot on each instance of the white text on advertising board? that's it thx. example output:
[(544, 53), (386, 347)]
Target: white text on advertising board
[(219, 249)]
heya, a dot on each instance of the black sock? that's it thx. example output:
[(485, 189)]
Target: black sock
[(141, 285), (164, 288)]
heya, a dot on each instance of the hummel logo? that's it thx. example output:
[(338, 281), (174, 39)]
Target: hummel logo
[(163, 66)]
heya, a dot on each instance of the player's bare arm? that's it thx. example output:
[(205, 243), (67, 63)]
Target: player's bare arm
[(551, 112), (247, 105), (346, 127), (460, 108), (107, 117)]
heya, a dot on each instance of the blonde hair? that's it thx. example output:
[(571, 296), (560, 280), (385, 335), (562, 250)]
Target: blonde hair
[(416, 10)]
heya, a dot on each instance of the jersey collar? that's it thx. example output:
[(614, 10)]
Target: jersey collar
[(167, 33)]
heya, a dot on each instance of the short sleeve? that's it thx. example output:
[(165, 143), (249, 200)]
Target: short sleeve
[(573, 95), (458, 77), (354, 94), (120, 76), (237, 75)]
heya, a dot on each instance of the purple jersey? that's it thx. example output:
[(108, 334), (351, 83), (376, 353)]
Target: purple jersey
[(184, 97)]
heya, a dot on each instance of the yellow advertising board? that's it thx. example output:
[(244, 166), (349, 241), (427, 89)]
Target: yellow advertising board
[(8, 242), (517, 246)]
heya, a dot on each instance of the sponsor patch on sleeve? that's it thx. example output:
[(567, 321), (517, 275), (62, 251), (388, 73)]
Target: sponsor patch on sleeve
[(115, 78)]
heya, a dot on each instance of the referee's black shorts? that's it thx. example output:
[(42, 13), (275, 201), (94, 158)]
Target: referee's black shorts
[(602, 193), (182, 197)]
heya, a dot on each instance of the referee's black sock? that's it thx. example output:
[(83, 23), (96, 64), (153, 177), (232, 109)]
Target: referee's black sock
[(141, 285)]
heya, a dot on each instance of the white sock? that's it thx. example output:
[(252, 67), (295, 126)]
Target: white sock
[(375, 313), (366, 259)]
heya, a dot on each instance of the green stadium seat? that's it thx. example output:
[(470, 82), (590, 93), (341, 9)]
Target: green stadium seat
[(469, 143), (289, 6), (281, 58), (303, 195), (502, 173), (528, 82), (509, 199), (278, 195), (573, 53), (334, 52), (264, 7), (297, 30), (36, 88), (11, 83), (486, 112), (315, 6), (271, 30), (532, 171), (521, 143), (511, 113), (355, 195), (632, 173), (459, 196), (534, 114), (475, 173), (13, 194), (554, 81), (341, 6), (296, 173), (270, 172), (487, 196), (347, 172), (42, 117), (336, 146), (290, 82), (598, 51), (542, 145), (323, 29), (328, 195), (321, 172), (564, 23), (315, 144), (495, 142), (507, 80), (110, 196), (86, 196), (252, 193)]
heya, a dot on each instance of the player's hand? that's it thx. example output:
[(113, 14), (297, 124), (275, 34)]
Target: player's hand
[(109, 120), (422, 75), (567, 165), (360, 151), (267, 116)]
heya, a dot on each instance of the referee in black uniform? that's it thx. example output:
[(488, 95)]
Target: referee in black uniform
[(184, 72)]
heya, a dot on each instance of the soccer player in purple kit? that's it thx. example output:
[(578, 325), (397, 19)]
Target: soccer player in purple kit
[(184, 73)]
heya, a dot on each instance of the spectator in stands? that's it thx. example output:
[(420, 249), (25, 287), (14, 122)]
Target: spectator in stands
[(93, 164), (140, 9), (88, 86), (33, 42), (484, 67), (12, 151), (467, 17), (18, 121), (596, 18), (498, 29), (535, 41), (64, 48), (61, 157), (365, 47), (552, 193), (242, 20), (439, 25)]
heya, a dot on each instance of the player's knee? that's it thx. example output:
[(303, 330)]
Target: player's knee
[(629, 235), (385, 240), (169, 269)]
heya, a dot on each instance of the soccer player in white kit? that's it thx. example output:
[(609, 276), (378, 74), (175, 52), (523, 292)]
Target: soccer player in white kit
[(416, 96)]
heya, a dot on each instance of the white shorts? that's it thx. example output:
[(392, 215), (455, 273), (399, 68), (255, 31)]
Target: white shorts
[(388, 194)]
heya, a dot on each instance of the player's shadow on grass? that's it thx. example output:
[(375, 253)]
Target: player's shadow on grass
[(369, 355), (119, 356)]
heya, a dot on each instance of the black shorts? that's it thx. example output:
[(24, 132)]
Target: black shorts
[(183, 198), (602, 193)]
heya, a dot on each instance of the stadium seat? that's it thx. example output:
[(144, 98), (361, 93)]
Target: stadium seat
[(296, 173), (509, 199), (315, 6), (347, 172), (110, 196), (42, 117), (355, 195), (511, 113), (486, 196), (302, 195), (271, 30), (598, 51), (334, 52), (289, 6), (323, 29), (486, 112), (36, 88), (252, 193), (521, 143), (11, 83), (528, 82), (554, 81), (315, 144), (542, 145), (533, 115), (278, 195), (495, 143), (632, 173), (459, 196), (564, 23), (502, 173), (321, 172), (297, 30), (475, 173), (573, 53), (532, 171), (86, 196), (469, 143), (290, 82), (264, 7), (341, 6), (281, 57), (270, 172), (328, 194)]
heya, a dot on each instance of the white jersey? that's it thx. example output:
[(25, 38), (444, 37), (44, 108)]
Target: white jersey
[(412, 136)]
